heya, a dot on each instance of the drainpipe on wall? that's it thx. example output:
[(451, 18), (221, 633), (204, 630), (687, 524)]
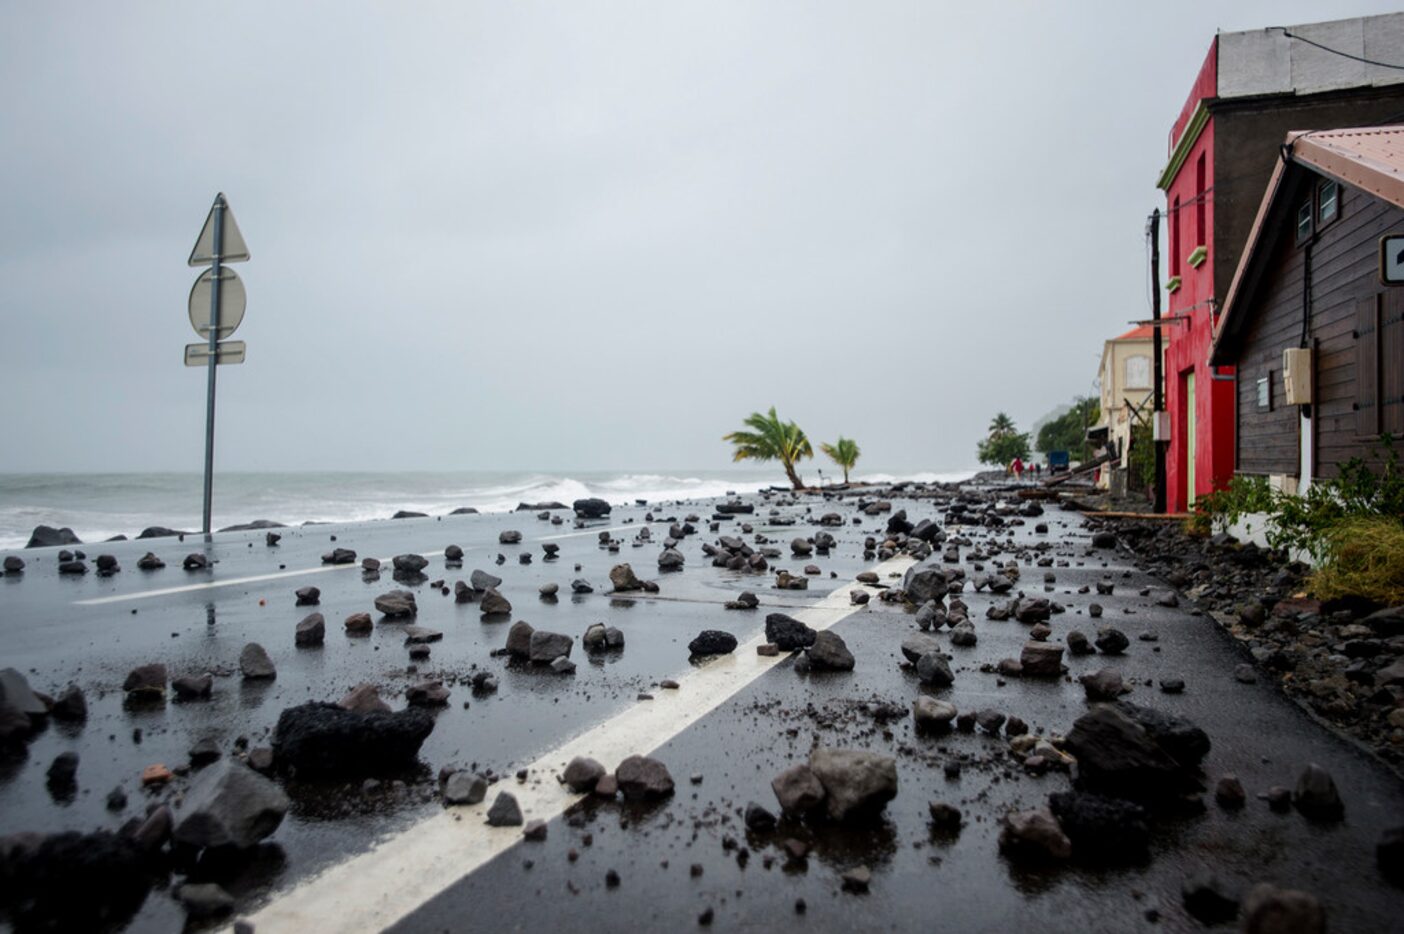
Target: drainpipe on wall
[(1306, 457)]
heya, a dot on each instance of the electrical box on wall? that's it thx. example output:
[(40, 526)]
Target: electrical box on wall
[(1160, 428), (1296, 375)]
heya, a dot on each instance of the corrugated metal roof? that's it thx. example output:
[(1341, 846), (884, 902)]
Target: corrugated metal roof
[(1368, 158)]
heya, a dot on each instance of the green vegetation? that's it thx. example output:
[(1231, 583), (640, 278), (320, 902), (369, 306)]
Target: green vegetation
[(1309, 522), (1140, 462), (1004, 442), (843, 452), (1068, 432), (1362, 558), (1245, 495), (772, 439), (1352, 526)]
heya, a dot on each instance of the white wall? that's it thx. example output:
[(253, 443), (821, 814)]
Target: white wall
[(1264, 61)]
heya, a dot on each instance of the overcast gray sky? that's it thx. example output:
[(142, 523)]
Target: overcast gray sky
[(577, 235)]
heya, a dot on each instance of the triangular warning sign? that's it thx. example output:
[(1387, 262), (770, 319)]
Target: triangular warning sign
[(234, 249)]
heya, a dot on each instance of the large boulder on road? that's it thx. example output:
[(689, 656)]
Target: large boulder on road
[(1186, 743), (591, 508), (324, 739), (1101, 829), (641, 779), (787, 632), (397, 604), (1119, 756), (829, 653), (623, 579), (856, 782), (71, 881), (712, 642), (923, 583), (229, 804)]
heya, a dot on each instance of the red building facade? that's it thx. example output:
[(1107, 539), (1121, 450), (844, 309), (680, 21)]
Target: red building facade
[(1199, 397), (1251, 90)]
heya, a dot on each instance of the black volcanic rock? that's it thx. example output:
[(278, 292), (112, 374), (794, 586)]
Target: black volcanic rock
[(591, 508), (787, 632), (45, 536), (325, 739), (712, 642)]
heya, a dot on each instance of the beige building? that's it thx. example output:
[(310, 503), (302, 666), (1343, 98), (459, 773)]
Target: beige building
[(1125, 376)]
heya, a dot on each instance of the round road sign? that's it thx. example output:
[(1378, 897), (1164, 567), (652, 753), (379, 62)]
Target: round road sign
[(232, 300)]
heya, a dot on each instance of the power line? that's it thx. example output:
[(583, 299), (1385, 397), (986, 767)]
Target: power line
[(1327, 48)]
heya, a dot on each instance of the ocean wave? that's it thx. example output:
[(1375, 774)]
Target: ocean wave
[(951, 476), (87, 504), (98, 507)]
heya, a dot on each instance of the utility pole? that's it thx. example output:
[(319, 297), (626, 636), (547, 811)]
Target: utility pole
[(1158, 378)]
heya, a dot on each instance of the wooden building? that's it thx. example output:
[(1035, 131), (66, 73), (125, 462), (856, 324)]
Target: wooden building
[(1311, 279), (1252, 88)]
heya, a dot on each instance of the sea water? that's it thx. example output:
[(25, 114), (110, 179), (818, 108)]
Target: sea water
[(99, 506)]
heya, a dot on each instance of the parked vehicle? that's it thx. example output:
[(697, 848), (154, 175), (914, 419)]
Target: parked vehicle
[(1058, 461)]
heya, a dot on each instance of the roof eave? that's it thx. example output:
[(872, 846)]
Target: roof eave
[(1231, 300), (1304, 148), (1367, 175), (1197, 122)]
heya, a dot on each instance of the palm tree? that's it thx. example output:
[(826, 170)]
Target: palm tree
[(1001, 425), (843, 452), (1004, 442), (772, 439)]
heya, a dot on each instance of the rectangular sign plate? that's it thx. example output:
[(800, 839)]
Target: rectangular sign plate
[(228, 352), (1392, 260)]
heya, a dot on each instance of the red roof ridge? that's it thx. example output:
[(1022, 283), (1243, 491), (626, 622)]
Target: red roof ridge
[(1142, 332)]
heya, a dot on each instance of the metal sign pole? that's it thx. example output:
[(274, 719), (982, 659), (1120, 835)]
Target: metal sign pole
[(214, 360)]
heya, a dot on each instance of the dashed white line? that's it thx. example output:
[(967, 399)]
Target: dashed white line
[(374, 890)]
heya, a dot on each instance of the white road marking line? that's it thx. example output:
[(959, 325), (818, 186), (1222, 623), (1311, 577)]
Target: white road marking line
[(279, 575), (374, 890), (210, 585), (234, 582), (617, 528)]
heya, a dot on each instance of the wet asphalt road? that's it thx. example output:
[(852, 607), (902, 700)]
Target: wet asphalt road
[(919, 881)]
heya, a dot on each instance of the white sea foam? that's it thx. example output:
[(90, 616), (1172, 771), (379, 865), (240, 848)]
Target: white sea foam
[(950, 476), (98, 507)]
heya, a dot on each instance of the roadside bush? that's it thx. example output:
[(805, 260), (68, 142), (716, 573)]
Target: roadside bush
[(1244, 495), (1360, 492), (1362, 558), (1327, 519)]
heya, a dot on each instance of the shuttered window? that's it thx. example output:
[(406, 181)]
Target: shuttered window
[(1367, 367)]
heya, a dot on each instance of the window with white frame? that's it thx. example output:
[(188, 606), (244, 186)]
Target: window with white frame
[(1138, 372), (1328, 201)]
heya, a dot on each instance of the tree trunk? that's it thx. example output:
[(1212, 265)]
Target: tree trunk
[(845, 476), (794, 477)]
